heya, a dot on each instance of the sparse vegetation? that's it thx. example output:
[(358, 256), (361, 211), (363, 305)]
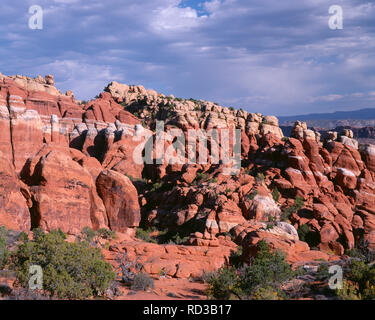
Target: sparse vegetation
[(275, 194), (252, 195), (144, 235), (307, 235), (4, 252), (142, 282), (70, 270), (262, 278), (106, 234), (298, 205), (359, 282), (202, 177), (93, 237)]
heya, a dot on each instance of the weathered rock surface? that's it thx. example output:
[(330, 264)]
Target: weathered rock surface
[(14, 211), (64, 195), (120, 199)]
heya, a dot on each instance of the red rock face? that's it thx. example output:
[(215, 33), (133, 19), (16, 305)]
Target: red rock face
[(64, 196), (107, 110), (14, 211), (120, 199)]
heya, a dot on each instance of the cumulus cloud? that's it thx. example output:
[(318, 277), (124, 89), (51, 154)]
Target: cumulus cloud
[(269, 56)]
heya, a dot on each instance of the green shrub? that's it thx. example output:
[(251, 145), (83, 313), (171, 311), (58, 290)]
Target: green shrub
[(4, 252), (88, 234), (235, 257), (322, 272), (307, 235), (106, 234), (267, 293), (268, 269), (70, 270), (144, 235), (247, 171), (157, 186), (171, 237), (275, 194), (142, 282), (261, 278), (298, 204), (200, 177), (222, 284), (252, 195), (348, 291), (359, 282), (362, 252)]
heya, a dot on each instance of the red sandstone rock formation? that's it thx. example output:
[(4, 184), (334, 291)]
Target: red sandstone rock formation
[(74, 160)]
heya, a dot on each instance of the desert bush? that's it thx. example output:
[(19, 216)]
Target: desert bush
[(252, 195), (200, 177), (144, 235), (235, 257), (275, 194), (359, 282), (268, 269), (88, 234), (129, 268), (70, 270), (267, 293), (322, 272), (264, 275), (157, 186), (362, 276), (348, 292), (142, 282), (106, 234), (223, 284), (171, 237), (307, 235), (178, 239), (362, 252), (4, 252), (298, 204)]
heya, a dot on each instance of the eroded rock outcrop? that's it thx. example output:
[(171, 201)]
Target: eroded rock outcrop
[(76, 162), (14, 209), (64, 195), (120, 199)]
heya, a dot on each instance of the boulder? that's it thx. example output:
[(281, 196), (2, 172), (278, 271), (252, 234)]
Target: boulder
[(120, 199), (64, 195)]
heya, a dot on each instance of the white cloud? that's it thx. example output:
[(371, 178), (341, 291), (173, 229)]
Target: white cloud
[(278, 56)]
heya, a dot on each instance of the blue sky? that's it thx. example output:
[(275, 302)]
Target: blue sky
[(269, 56)]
